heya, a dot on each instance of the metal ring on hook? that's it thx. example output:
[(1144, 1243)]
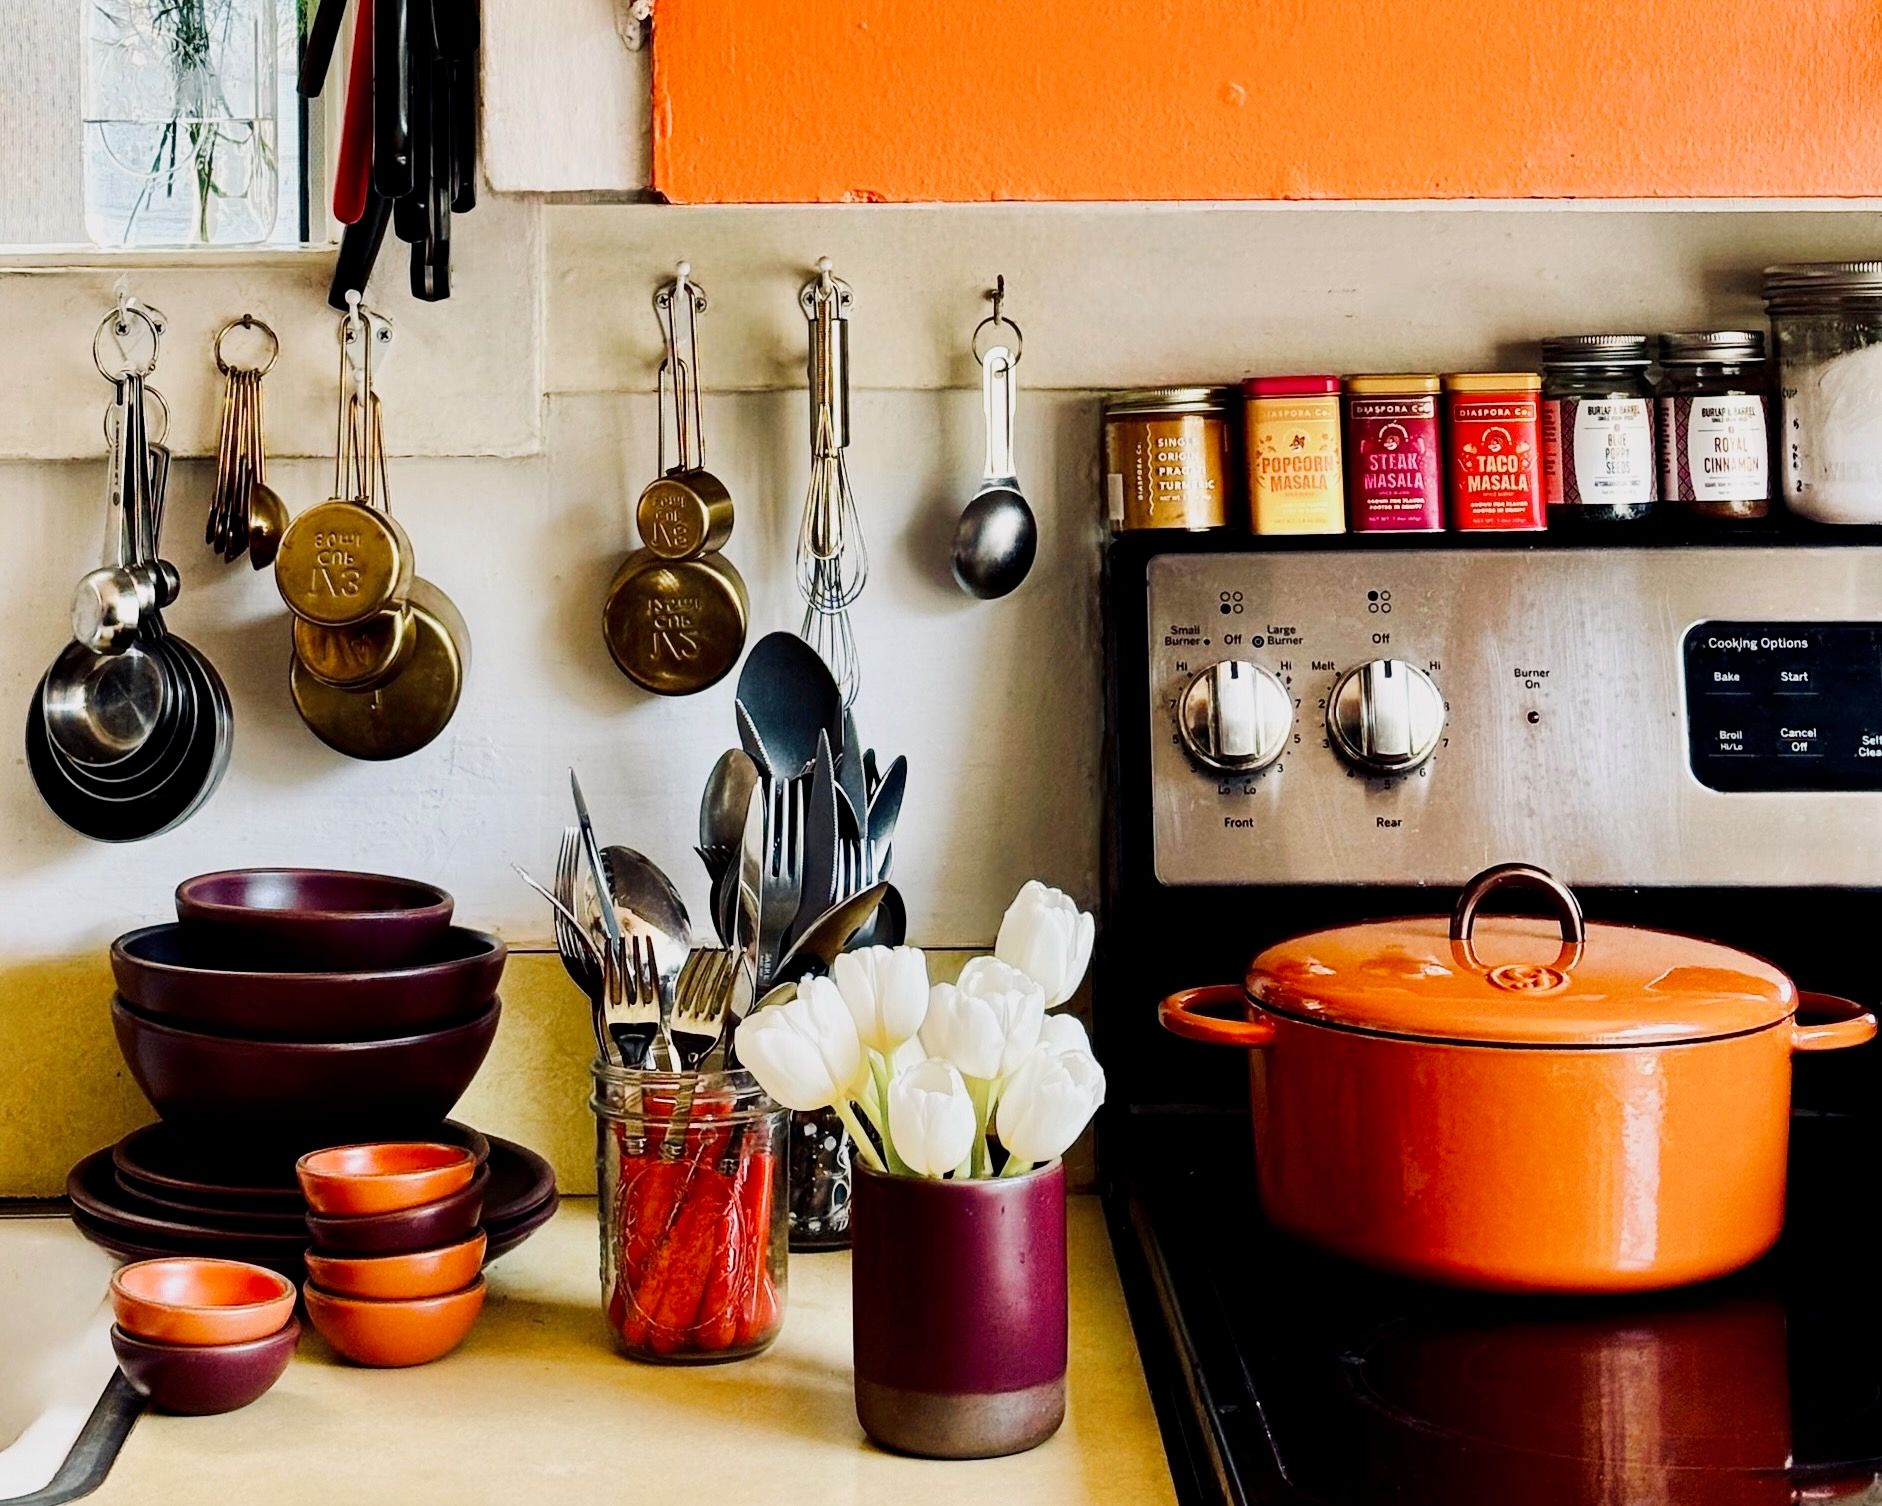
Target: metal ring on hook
[(248, 321), (163, 413), (995, 321), (117, 325)]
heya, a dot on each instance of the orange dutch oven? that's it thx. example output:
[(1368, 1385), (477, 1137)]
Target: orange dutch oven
[(1606, 1109)]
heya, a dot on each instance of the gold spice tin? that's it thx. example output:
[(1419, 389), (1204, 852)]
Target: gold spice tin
[(1167, 458)]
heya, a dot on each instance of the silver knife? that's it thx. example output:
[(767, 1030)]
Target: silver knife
[(751, 878), (821, 834), (604, 893)]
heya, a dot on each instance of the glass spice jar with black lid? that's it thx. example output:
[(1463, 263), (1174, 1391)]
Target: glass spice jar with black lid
[(1598, 461), (1715, 435)]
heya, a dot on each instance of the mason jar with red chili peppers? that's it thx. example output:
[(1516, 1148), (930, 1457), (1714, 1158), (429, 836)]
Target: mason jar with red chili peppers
[(691, 1175)]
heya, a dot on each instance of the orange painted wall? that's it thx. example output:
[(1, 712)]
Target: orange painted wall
[(827, 100)]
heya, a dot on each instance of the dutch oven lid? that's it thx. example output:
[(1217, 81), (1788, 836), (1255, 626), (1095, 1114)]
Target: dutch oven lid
[(1519, 981)]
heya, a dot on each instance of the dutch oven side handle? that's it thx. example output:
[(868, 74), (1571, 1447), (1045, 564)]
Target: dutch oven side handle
[(1181, 1014), (1849, 1024)]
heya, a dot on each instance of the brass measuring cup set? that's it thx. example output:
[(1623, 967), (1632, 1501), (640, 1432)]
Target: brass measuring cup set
[(379, 654), (675, 615)]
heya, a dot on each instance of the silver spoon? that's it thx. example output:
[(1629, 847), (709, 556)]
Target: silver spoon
[(996, 538), (645, 904), (726, 799)]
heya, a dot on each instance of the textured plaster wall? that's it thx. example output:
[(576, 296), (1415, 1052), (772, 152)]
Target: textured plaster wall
[(828, 100)]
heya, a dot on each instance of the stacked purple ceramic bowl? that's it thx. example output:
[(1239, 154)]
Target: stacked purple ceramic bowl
[(288, 1009)]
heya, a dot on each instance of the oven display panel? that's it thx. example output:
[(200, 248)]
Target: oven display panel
[(1774, 706)]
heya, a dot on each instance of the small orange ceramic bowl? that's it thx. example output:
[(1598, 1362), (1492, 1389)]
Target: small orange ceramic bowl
[(193, 1300), (392, 1334), (396, 1278), (389, 1177)]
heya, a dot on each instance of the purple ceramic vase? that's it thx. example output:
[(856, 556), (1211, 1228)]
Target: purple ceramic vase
[(958, 1293)]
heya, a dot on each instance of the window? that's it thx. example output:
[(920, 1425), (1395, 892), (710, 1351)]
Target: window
[(155, 123)]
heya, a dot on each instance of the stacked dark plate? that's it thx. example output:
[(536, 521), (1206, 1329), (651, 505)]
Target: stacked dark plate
[(284, 1011)]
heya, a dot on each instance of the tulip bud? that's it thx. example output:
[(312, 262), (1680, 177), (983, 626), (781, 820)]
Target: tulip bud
[(931, 1118), (1065, 1032), (1047, 937), (1047, 1103), (805, 1053), (886, 990), (986, 1023)]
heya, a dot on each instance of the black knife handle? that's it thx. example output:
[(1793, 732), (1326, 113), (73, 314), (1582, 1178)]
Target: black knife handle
[(392, 170), (323, 32), (359, 250)]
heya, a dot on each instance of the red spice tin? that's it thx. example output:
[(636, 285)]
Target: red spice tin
[(1394, 471), (1496, 480)]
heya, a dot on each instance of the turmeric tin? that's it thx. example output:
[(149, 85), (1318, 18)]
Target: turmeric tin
[(1166, 458), (1493, 437)]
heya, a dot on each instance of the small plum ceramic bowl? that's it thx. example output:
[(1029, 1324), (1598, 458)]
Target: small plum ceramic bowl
[(190, 1300), (382, 1177), (201, 1380), (391, 1335), (442, 1222)]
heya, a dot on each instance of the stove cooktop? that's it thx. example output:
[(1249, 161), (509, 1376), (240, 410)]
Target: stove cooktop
[(1287, 1376)]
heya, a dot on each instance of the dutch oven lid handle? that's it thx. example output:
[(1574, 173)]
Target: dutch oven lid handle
[(1567, 910)]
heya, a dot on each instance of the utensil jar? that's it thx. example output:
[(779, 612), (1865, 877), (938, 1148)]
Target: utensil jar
[(691, 1174)]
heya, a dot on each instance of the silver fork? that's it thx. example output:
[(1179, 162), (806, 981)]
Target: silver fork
[(632, 988), (699, 1005), (784, 870), (571, 940)]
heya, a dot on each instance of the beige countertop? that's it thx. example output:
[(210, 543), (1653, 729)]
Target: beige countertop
[(537, 1405)]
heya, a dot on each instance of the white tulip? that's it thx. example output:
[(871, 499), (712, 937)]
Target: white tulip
[(1047, 937), (986, 1023), (804, 1053), (931, 1118), (1047, 1104), (886, 990), (1065, 1032)]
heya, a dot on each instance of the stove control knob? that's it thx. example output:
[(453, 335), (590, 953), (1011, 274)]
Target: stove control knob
[(1236, 717), (1385, 717)]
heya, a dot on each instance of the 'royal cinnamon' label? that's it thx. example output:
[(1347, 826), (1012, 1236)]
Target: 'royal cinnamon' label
[(1496, 482)]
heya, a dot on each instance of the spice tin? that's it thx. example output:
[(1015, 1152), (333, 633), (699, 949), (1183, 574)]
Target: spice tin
[(1166, 458), (1294, 483), (1715, 437), (1394, 470), (1496, 480)]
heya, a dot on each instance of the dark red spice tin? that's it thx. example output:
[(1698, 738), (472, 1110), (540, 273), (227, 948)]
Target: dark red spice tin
[(1494, 444), (1394, 469)]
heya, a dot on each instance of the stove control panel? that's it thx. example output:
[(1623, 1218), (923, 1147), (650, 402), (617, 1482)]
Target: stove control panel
[(1620, 716), (1785, 705)]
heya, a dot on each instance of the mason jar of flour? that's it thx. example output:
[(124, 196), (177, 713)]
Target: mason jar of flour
[(1827, 320)]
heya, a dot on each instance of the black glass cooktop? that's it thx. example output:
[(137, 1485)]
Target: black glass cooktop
[(1286, 1376)]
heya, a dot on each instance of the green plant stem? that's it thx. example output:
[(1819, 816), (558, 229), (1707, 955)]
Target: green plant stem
[(860, 1136), (980, 1090), (1016, 1168), (879, 1079)]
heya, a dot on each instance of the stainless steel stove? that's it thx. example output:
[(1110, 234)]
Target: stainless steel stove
[(1303, 734)]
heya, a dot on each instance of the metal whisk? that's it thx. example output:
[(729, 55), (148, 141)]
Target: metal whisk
[(832, 560)]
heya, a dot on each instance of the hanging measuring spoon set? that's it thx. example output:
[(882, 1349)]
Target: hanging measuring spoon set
[(246, 515), (675, 615), (129, 731), (379, 654)]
